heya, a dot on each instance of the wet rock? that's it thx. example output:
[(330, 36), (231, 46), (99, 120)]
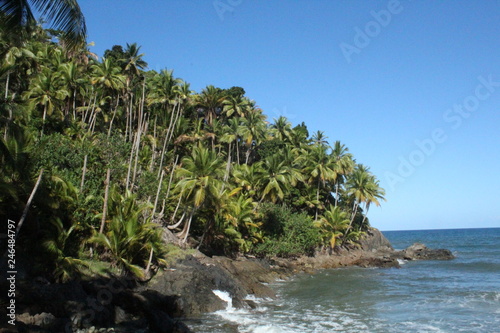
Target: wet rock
[(419, 251), (381, 262)]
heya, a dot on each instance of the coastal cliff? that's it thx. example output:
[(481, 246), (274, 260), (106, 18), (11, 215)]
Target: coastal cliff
[(186, 289)]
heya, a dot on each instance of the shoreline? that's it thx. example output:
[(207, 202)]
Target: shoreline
[(185, 290)]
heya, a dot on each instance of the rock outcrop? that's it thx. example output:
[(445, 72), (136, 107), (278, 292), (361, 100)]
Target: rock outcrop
[(419, 251), (186, 289)]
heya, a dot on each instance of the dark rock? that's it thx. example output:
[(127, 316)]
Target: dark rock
[(381, 262), (419, 251), (375, 241)]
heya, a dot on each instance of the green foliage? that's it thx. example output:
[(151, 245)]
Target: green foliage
[(287, 234), (230, 180), (128, 236)]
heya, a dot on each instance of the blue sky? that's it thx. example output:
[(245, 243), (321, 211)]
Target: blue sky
[(411, 87)]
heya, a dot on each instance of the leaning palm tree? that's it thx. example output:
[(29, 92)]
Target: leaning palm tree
[(64, 15)]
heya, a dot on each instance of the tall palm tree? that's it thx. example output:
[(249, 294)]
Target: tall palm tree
[(64, 15), (359, 187), (279, 176), (235, 105), (253, 130), (211, 102), (47, 92), (199, 181), (319, 168), (281, 129), (344, 165)]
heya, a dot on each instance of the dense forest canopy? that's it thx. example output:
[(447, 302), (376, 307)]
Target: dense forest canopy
[(116, 157)]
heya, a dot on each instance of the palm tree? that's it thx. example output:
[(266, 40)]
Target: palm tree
[(231, 136), (363, 188), (333, 223), (235, 105), (319, 168), (211, 102), (199, 181), (344, 165), (279, 176), (64, 15), (253, 130), (108, 78), (248, 178), (131, 241), (281, 129), (46, 91), (72, 78)]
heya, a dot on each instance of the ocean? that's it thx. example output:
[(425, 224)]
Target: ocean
[(460, 295)]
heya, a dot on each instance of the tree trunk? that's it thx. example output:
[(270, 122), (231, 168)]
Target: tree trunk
[(113, 118), (317, 201), (171, 175), (83, 172), (158, 193), (28, 203), (228, 164), (105, 205)]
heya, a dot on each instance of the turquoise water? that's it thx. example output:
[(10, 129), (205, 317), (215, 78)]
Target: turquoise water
[(461, 295)]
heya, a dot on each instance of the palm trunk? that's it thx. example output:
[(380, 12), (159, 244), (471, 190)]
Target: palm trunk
[(367, 207), (43, 119), (105, 205), (317, 201), (83, 172), (129, 170), (157, 194), (113, 118), (28, 204), (228, 164), (336, 193), (171, 175)]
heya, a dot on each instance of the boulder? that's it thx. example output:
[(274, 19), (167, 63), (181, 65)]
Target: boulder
[(419, 251), (375, 241)]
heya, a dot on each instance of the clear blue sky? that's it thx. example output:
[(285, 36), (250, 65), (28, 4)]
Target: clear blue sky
[(379, 76)]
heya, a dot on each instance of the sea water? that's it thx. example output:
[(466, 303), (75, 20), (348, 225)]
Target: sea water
[(459, 295)]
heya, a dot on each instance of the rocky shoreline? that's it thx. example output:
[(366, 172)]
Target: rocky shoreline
[(185, 289)]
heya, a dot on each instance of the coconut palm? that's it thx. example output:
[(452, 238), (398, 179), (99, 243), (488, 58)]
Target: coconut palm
[(281, 129), (235, 105), (253, 130), (210, 102), (333, 223), (319, 168), (131, 241), (278, 177), (199, 177), (64, 15), (344, 165), (47, 92)]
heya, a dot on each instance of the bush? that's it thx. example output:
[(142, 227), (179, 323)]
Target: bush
[(287, 234)]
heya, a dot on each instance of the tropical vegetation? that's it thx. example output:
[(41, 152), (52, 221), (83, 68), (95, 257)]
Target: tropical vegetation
[(101, 159)]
